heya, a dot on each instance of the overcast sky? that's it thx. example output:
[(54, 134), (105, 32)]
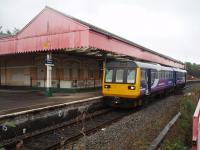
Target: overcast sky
[(170, 27)]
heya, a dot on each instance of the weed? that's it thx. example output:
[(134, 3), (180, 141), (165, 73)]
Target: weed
[(181, 139)]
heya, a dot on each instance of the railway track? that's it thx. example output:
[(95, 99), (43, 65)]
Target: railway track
[(56, 138), (71, 133), (59, 135), (89, 123)]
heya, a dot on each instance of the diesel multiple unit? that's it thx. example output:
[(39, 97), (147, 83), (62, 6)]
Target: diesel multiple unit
[(130, 80)]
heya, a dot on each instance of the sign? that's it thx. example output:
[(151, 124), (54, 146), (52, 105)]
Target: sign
[(45, 45), (49, 62)]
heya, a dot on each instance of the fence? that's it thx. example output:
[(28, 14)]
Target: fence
[(196, 129)]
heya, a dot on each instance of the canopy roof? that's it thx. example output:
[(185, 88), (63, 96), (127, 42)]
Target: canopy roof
[(52, 30)]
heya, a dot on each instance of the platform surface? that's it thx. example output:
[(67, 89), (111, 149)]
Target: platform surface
[(12, 101)]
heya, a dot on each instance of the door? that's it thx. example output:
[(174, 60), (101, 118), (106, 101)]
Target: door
[(148, 81)]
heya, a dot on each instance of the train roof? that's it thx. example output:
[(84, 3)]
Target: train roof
[(179, 70), (146, 65), (157, 67)]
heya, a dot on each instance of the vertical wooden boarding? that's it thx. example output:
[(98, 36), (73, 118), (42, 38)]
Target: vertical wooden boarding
[(195, 129)]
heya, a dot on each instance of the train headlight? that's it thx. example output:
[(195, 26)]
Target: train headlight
[(131, 87), (107, 86)]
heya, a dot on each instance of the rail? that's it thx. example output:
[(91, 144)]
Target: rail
[(196, 128)]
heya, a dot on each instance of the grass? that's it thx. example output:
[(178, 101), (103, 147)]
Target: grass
[(180, 138)]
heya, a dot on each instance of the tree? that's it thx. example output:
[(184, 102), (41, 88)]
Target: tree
[(1, 32), (15, 31), (9, 32), (193, 69)]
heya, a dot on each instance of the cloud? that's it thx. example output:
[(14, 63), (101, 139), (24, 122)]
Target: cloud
[(169, 27)]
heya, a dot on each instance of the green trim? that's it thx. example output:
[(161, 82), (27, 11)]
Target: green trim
[(48, 92)]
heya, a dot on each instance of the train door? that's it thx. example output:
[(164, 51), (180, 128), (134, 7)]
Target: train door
[(149, 81), (145, 80), (174, 74)]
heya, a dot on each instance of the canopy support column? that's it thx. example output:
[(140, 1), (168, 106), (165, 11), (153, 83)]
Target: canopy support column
[(49, 72)]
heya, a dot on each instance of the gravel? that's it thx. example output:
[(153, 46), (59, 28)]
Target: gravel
[(135, 131)]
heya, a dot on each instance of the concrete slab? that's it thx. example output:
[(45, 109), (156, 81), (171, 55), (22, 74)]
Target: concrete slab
[(12, 101)]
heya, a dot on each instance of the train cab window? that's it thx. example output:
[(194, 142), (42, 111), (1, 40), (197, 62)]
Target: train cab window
[(109, 75), (131, 76), (119, 75)]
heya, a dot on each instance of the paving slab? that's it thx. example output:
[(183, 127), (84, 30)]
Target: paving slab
[(12, 101)]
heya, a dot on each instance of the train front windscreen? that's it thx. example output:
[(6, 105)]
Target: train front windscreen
[(120, 75)]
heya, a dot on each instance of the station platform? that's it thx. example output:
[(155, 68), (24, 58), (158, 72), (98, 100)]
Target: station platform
[(12, 101)]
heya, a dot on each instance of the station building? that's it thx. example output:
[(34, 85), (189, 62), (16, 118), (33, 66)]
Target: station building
[(69, 71), (55, 50)]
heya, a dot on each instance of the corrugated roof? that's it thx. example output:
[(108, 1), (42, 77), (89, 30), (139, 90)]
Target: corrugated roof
[(102, 31)]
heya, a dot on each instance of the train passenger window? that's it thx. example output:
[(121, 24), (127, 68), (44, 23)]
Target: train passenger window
[(131, 76), (159, 75), (164, 74), (119, 75), (109, 75), (167, 75), (156, 75), (153, 76)]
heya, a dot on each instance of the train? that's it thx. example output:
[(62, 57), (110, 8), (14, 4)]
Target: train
[(130, 83)]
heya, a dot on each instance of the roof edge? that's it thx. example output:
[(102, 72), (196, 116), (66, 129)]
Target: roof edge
[(107, 33)]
